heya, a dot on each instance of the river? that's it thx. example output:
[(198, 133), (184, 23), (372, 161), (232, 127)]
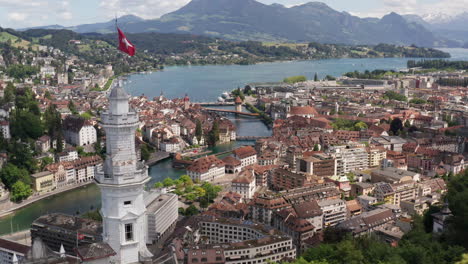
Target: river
[(202, 83)]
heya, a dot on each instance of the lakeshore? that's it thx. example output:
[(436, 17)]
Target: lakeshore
[(37, 197)]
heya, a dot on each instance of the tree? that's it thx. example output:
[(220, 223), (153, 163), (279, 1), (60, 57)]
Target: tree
[(21, 155), (9, 94), (158, 185), (191, 197), (72, 107), (396, 126), (10, 174), (199, 131), (316, 147), (145, 152), (407, 124), (168, 182), (457, 197), (191, 210), (213, 136), (20, 191), (46, 161), (316, 77)]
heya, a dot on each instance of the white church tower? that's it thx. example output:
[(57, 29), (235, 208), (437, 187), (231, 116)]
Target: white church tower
[(122, 181)]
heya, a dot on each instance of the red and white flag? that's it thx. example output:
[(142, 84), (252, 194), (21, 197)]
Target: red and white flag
[(80, 236), (125, 45)]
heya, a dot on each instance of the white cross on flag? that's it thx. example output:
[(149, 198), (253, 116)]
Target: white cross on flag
[(124, 44)]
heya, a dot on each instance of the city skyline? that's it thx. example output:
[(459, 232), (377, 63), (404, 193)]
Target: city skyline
[(32, 13)]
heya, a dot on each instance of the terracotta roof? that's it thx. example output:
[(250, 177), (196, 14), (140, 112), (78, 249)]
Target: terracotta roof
[(245, 177), (307, 209), (204, 164), (238, 100), (244, 152), (303, 110), (231, 161)]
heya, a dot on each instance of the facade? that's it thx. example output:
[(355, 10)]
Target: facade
[(282, 179), (122, 180), (5, 127), (349, 158), (320, 165), (247, 155), (298, 228), (334, 211), (78, 131), (245, 242), (10, 251), (206, 168), (376, 155), (162, 213), (244, 184), (43, 181), (56, 230), (171, 145), (232, 165)]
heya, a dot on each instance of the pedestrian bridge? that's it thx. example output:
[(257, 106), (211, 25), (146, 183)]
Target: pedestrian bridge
[(226, 111)]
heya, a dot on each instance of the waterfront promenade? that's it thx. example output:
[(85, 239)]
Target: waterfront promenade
[(37, 197)]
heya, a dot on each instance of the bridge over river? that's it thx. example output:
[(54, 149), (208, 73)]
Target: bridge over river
[(226, 111)]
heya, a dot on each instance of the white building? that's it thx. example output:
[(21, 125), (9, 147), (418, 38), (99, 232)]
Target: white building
[(243, 243), (172, 145), (5, 127), (247, 155), (12, 252), (122, 181), (47, 71), (349, 158), (207, 168), (162, 213), (334, 211), (245, 184), (78, 131)]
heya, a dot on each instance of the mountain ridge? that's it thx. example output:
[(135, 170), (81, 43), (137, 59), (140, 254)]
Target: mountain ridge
[(251, 20)]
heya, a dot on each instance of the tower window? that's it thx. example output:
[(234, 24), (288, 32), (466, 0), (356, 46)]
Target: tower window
[(128, 232)]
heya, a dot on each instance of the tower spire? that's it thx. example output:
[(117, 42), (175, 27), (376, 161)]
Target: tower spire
[(122, 180)]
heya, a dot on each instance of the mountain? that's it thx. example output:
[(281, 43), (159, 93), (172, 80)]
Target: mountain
[(446, 26), (252, 20)]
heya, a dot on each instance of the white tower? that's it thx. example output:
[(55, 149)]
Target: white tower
[(122, 181)]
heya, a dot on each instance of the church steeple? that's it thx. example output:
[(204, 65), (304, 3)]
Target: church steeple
[(122, 181)]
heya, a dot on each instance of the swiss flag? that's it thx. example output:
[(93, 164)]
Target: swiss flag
[(124, 44), (80, 236)]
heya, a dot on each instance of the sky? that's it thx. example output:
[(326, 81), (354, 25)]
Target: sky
[(30, 13)]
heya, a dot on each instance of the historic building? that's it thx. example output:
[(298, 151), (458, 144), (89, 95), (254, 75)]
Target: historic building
[(122, 181)]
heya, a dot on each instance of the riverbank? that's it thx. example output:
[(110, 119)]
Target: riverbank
[(36, 198)]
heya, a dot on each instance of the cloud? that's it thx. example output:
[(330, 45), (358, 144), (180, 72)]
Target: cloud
[(25, 13), (17, 17), (147, 9)]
